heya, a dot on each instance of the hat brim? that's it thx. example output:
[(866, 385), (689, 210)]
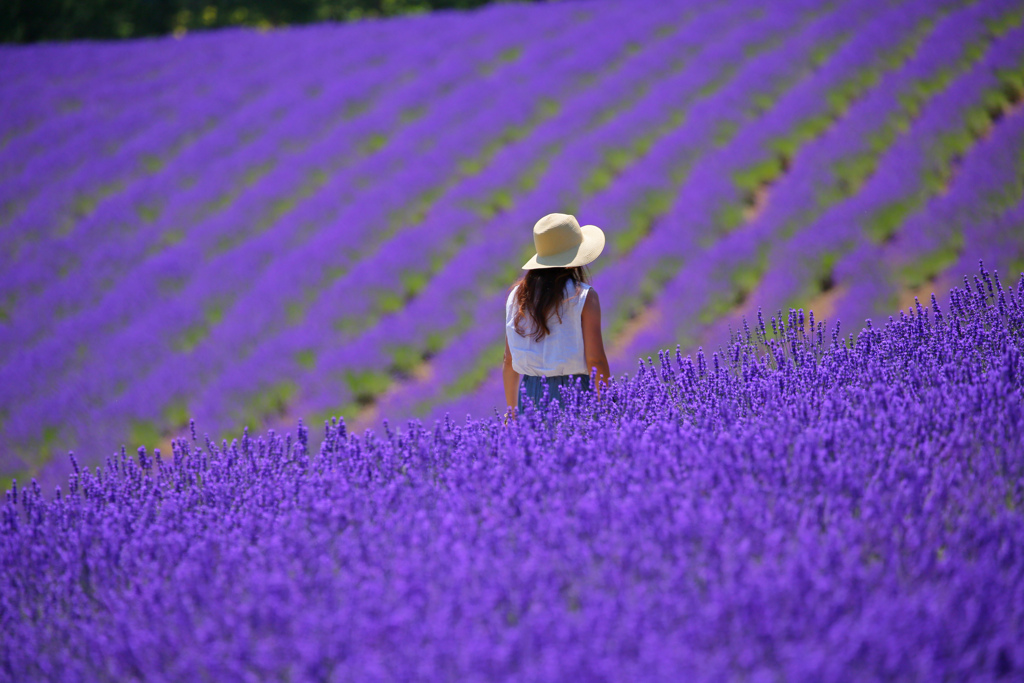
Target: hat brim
[(588, 250)]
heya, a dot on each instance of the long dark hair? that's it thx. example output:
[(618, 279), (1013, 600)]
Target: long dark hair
[(541, 293)]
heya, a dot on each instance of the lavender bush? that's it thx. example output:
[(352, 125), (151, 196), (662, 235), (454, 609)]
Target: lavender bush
[(804, 504)]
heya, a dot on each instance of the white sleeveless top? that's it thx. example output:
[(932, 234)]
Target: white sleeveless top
[(558, 353)]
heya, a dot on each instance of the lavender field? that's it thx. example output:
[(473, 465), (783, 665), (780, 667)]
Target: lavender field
[(805, 505), (818, 208), (249, 228)]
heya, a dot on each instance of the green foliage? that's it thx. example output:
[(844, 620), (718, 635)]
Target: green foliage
[(822, 277), (742, 282), (840, 97), (347, 326), (251, 176), (714, 84), (169, 238), (389, 301), (410, 115), (295, 312), (654, 205), (631, 306), (502, 199), (196, 333), (373, 142), (805, 130), (413, 213), (762, 173), (727, 218), (746, 278), (948, 149), (850, 175), (485, 363), (68, 266), (413, 282), (531, 176), (1008, 21), (434, 343), (354, 109), (883, 224), (34, 20), (1012, 84), (306, 359), (724, 131), (50, 437), (470, 167), (924, 89), (754, 48), (83, 205), (509, 271), (498, 202), (927, 267), (821, 53), (270, 402), (901, 52), (760, 103), (176, 413), (149, 213), (153, 163), (506, 56), (366, 385), (144, 433), (616, 159), (722, 301), (405, 358)]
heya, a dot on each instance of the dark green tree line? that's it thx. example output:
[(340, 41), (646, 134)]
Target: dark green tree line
[(26, 21)]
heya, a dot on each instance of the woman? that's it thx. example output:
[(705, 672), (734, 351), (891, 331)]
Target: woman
[(553, 316)]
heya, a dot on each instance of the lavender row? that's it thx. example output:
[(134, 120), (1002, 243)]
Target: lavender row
[(127, 371), (410, 250), (793, 506), (267, 353), (636, 264), (903, 183), (681, 316), (283, 314), (981, 214), (95, 325), (468, 271), (185, 208), (791, 262)]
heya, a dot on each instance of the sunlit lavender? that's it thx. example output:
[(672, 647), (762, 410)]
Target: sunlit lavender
[(247, 227), (803, 504), (251, 279)]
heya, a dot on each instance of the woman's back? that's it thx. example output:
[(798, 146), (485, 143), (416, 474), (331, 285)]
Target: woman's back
[(560, 351)]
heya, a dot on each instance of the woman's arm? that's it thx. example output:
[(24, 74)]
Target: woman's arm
[(511, 378), (593, 343)]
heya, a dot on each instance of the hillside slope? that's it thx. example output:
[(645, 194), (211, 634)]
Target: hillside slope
[(251, 227)]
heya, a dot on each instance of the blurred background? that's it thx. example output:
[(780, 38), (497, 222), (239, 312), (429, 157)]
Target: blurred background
[(35, 20), (315, 209)]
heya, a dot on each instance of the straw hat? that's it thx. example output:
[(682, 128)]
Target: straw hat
[(562, 243)]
